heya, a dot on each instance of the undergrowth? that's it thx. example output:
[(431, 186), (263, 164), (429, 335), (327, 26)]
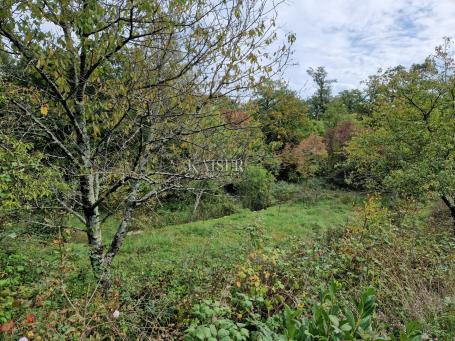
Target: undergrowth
[(387, 274)]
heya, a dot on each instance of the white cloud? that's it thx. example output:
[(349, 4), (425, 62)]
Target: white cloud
[(353, 38)]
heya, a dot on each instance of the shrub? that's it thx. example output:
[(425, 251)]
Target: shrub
[(217, 205), (304, 159), (327, 319), (336, 140), (407, 259), (180, 210), (210, 322), (330, 319), (255, 187)]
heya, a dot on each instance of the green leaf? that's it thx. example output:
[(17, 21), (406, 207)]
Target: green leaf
[(334, 320), (346, 327)]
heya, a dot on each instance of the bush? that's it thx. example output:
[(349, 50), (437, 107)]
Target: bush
[(336, 140), (407, 259), (255, 188), (304, 159), (217, 205), (268, 290), (327, 319), (283, 191), (180, 210), (330, 319), (211, 322)]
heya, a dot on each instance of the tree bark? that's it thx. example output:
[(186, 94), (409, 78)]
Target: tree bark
[(100, 260), (450, 203), (122, 229), (92, 225), (197, 202)]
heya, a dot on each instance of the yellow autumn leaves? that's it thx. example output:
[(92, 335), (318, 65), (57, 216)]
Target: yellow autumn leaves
[(44, 109)]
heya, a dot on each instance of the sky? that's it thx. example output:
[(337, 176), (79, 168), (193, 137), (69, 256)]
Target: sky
[(354, 38)]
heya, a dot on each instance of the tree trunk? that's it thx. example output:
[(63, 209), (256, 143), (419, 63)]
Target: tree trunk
[(122, 229), (197, 202), (92, 225), (100, 261), (450, 203)]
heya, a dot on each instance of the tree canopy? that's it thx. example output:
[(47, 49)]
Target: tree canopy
[(408, 146), (116, 93)]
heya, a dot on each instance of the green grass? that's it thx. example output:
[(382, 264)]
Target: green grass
[(222, 243), (161, 273), (183, 263)]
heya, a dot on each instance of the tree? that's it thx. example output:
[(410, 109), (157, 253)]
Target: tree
[(283, 119), (409, 144), (336, 111), (322, 96), (336, 139), (355, 101), (282, 115), (114, 92), (24, 179), (305, 159)]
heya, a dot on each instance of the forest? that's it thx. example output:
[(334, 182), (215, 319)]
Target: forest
[(160, 179)]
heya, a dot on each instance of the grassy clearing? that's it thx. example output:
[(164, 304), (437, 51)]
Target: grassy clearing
[(223, 241), (166, 270), (212, 244)]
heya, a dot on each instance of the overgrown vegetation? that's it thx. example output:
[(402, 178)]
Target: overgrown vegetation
[(250, 280), (159, 181)]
